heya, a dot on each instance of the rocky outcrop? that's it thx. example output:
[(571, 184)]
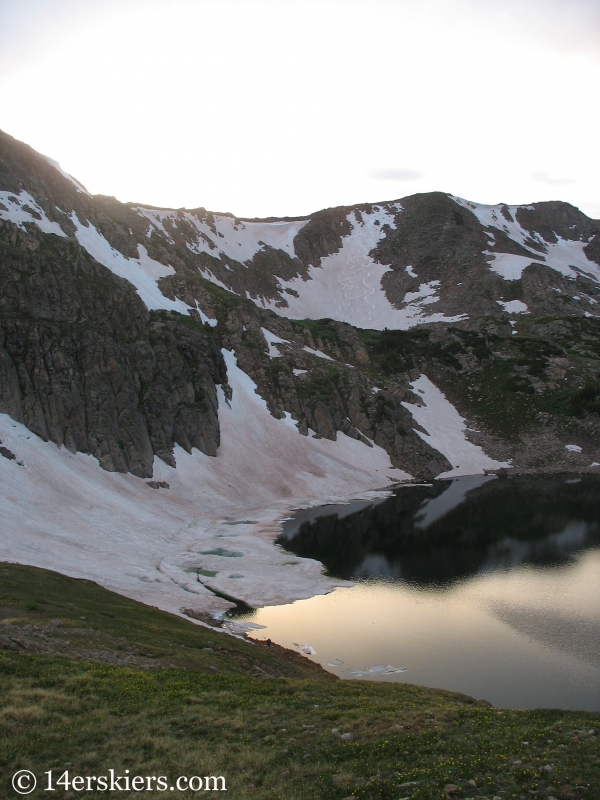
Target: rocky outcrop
[(84, 362)]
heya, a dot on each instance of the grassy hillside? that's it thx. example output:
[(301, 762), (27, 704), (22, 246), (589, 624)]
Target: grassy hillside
[(270, 737)]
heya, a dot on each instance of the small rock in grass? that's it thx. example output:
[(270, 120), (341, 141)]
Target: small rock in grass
[(214, 669), (450, 790), (285, 774), (347, 737), (335, 730), (472, 784), (350, 798)]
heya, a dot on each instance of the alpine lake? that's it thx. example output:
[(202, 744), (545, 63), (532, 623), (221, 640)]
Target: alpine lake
[(486, 585)]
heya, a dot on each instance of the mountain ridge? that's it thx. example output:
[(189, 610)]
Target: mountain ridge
[(186, 256), (251, 367)]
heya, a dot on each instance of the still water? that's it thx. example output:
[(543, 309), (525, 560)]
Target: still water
[(482, 585)]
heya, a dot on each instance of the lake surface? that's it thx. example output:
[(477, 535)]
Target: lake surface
[(482, 585)]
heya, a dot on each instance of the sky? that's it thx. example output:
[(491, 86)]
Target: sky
[(283, 107)]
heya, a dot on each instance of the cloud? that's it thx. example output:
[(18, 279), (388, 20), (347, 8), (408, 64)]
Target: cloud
[(396, 174), (544, 177)]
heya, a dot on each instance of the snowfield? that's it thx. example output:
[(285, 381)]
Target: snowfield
[(62, 511), (142, 272), (564, 256), (346, 286), (237, 240), (446, 432), (20, 208)]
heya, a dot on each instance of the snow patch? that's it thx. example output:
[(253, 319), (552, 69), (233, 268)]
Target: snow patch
[(142, 272), (272, 340), (379, 669), (318, 353), (299, 372), (565, 256), (514, 306), (223, 235), (208, 276), (509, 266), (446, 432), (206, 320), (21, 208), (347, 284), (426, 294), (573, 448)]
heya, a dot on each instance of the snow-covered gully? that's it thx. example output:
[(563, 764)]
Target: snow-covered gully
[(213, 527)]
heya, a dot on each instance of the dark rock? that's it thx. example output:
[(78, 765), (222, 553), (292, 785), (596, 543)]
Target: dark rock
[(4, 451)]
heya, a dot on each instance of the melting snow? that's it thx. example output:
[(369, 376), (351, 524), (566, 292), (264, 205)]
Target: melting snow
[(446, 432), (318, 353), (206, 320), (14, 208), (237, 240), (306, 648), (509, 266), (142, 272), (514, 306), (380, 669), (62, 511), (573, 448), (272, 340), (565, 255), (299, 371), (347, 284)]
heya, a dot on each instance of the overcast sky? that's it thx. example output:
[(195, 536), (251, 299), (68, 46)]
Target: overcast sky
[(283, 107)]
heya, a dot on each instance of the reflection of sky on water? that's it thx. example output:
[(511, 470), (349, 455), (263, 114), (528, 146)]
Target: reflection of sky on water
[(523, 638), (480, 586)]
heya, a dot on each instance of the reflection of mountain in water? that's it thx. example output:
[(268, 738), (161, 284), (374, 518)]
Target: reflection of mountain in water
[(453, 529)]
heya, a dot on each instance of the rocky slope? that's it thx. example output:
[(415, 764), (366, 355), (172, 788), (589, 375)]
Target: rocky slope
[(114, 316)]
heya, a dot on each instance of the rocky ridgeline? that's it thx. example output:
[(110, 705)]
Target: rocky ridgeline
[(84, 362)]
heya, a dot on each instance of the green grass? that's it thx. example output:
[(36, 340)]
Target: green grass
[(94, 619), (269, 737)]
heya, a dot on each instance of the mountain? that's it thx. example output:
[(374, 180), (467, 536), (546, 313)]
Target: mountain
[(253, 365)]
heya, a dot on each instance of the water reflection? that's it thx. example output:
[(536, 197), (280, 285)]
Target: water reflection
[(443, 533), (487, 586)]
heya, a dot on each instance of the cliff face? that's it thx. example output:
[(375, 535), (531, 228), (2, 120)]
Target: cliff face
[(85, 364), (113, 317)]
